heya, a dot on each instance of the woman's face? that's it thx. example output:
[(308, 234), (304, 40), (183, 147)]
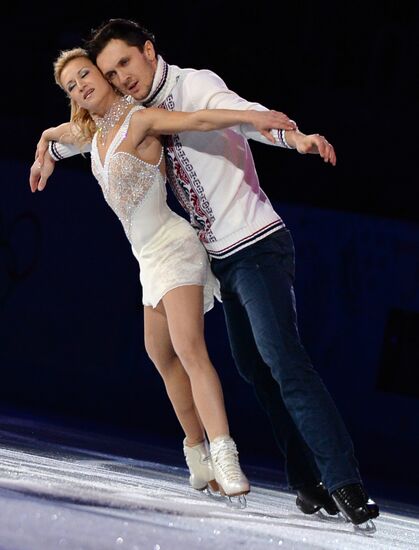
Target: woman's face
[(84, 83)]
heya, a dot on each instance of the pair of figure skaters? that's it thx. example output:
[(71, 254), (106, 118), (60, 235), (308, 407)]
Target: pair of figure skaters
[(236, 248)]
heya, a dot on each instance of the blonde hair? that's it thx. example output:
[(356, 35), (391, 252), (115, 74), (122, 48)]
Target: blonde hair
[(82, 122)]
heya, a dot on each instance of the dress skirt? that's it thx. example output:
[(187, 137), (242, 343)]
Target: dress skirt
[(175, 257)]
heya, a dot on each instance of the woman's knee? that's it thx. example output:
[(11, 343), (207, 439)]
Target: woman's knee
[(190, 350), (160, 355)]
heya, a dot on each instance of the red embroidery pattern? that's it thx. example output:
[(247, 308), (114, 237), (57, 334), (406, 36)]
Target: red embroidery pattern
[(186, 184)]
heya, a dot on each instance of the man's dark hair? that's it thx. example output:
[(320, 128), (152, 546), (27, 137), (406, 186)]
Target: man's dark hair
[(120, 29)]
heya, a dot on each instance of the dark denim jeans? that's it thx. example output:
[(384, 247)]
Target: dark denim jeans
[(259, 305)]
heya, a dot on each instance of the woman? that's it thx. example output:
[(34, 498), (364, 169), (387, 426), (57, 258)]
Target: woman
[(178, 286)]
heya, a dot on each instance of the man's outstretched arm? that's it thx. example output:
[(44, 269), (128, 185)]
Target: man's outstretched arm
[(207, 90)]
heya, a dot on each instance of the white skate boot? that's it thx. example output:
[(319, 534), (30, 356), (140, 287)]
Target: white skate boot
[(227, 471), (199, 462)]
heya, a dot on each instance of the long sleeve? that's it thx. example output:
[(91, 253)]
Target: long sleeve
[(59, 151), (208, 91)]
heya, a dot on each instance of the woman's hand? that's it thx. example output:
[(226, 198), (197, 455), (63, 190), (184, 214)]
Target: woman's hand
[(265, 121), (40, 173), (62, 133), (41, 149)]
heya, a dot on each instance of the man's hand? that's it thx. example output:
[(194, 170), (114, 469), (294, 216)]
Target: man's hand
[(265, 121), (40, 173), (316, 145)]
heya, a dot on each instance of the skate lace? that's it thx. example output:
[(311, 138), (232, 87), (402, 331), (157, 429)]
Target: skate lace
[(353, 496), (225, 455)]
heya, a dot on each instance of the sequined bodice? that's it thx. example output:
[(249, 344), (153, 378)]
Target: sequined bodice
[(133, 188)]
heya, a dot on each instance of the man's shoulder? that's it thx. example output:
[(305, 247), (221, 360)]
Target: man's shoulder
[(200, 77), (195, 74), (195, 86)]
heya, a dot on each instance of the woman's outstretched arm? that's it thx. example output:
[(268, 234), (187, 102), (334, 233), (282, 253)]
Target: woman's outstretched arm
[(158, 121), (62, 133)]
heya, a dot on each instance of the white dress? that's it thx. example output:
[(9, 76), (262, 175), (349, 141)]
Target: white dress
[(166, 246)]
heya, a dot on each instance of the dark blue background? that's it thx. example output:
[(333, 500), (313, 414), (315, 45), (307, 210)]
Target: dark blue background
[(71, 343)]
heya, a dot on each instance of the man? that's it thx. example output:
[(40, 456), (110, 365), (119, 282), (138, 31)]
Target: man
[(252, 253)]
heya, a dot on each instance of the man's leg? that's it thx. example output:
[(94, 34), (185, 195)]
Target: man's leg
[(262, 277), (300, 467)]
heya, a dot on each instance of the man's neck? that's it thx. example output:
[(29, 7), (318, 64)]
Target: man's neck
[(164, 80)]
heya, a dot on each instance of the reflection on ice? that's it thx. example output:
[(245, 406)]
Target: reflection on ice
[(56, 496)]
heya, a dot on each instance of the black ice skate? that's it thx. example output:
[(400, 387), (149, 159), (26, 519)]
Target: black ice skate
[(356, 506), (315, 498)]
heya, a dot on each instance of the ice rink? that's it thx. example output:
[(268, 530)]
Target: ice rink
[(57, 491)]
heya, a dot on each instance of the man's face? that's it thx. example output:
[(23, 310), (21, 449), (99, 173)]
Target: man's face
[(128, 69)]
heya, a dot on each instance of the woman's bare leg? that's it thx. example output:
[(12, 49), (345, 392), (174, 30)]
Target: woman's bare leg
[(184, 313), (176, 380), (185, 319)]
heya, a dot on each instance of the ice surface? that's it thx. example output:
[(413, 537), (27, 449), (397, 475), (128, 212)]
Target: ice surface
[(55, 495)]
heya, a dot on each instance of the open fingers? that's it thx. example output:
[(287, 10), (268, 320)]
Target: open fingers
[(282, 121), (329, 154), (34, 177), (41, 150), (326, 149), (42, 183)]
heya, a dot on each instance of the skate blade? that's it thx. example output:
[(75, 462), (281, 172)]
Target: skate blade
[(367, 528), (335, 518), (233, 494), (212, 486), (238, 502), (235, 500), (213, 496)]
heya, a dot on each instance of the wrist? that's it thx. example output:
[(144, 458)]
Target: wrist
[(287, 137), (293, 138), (53, 151), (250, 117)]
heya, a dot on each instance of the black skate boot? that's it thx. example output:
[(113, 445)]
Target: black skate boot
[(311, 499), (355, 505)]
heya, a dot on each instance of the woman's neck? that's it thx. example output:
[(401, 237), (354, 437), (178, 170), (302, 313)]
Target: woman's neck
[(99, 111), (112, 117)]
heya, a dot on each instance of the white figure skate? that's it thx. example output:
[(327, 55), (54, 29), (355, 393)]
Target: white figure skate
[(199, 462), (228, 474)]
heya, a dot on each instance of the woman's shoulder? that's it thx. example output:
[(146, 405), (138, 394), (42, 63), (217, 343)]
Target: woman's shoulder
[(139, 126), (143, 116)]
